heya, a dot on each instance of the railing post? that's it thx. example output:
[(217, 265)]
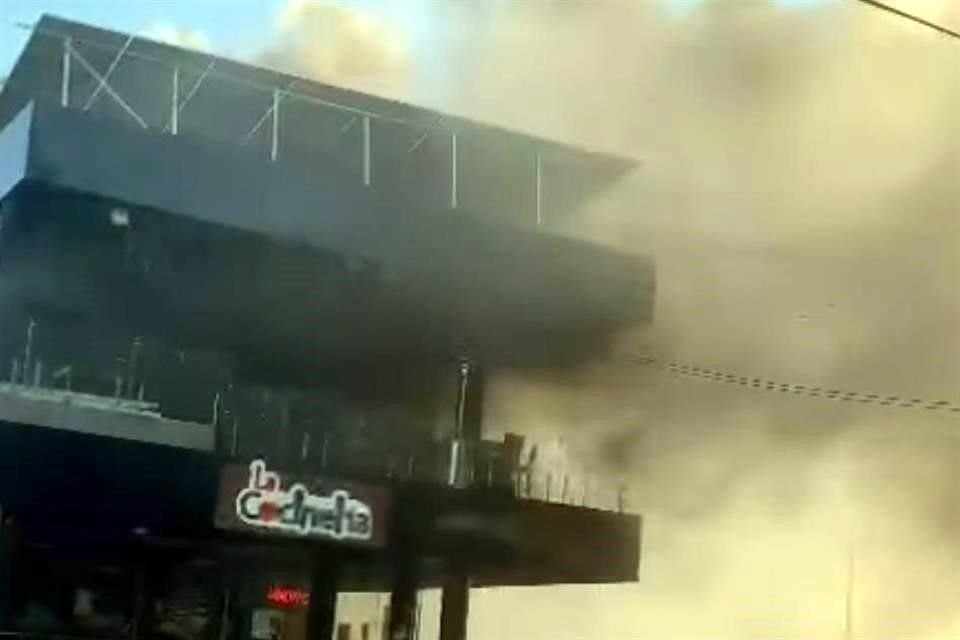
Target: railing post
[(175, 103), (366, 151), (275, 138), (305, 446), (65, 74), (539, 183), (453, 171)]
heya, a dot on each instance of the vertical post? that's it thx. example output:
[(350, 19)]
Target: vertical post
[(453, 476), (215, 421), (133, 368), (539, 191), (459, 465), (366, 151), (453, 171), (8, 549), (462, 397), (28, 352), (65, 74), (225, 605), (455, 603), (275, 136), (305, 446), (322, 613), (403, 598), (139, 602), (235, 439), (175, 103)]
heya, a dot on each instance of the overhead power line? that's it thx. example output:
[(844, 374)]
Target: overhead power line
[(911, 17), (773, 386)]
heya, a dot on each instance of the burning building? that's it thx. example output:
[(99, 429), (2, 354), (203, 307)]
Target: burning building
[(246, 320)]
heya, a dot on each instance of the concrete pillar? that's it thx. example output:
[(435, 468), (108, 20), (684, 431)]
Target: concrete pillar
[(455, 605), (322, 613)]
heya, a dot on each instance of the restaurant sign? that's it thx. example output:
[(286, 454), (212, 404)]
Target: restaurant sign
[(256, 499)]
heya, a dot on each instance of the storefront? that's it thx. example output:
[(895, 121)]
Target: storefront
[(106, 538), (110, 588)]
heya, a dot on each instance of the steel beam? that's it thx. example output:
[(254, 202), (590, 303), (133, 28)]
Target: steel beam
[(106, 76), (106, 87)]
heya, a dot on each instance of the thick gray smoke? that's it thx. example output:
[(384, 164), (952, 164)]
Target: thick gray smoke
[(800, 190), (339, 45)]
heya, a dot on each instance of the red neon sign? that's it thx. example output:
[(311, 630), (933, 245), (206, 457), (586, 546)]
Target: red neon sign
[(288, 597)]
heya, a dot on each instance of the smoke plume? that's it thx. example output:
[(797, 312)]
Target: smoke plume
[(799, 189), (337, 45)]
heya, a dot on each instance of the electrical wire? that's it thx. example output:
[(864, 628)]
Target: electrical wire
[(773, 386), (911, 17)]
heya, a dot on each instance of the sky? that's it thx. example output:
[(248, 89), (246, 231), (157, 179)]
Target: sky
[(246, 27)]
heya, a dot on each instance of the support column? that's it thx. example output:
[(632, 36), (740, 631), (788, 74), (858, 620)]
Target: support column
[(322, 613), (455, 604), (403, 599)]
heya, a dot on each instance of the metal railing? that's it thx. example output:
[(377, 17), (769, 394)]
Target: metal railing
[(157, 94), (484, 464)]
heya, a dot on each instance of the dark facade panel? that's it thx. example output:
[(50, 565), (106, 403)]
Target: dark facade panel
[(486, 288)]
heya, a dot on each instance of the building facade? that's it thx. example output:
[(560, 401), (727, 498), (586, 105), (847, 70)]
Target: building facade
[(245, 323)]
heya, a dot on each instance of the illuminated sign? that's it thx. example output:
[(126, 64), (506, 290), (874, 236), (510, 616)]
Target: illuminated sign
[(288, 597), (265, 503), (255, 498)]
